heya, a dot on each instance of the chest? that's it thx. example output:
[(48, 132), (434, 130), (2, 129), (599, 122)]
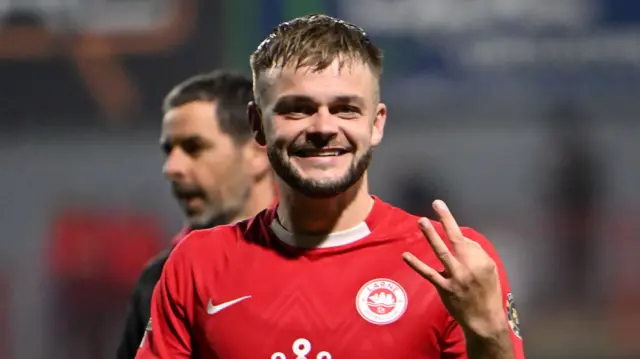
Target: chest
[(338, 306)]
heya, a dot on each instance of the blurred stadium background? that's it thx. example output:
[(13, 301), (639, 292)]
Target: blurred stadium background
[(523, 114)]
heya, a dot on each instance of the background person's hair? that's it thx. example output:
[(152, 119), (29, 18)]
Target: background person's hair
[(231, 92)]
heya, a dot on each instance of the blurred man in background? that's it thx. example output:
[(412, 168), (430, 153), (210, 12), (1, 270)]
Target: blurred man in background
[(218, 173), (573, 198)]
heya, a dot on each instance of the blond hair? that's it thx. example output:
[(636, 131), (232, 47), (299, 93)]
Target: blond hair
[(315, 41)]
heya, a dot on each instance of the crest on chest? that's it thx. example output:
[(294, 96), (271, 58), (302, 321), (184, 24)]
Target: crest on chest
[(381, 301)]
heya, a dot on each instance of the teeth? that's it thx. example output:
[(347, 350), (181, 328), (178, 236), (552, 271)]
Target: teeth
[(321, 153)]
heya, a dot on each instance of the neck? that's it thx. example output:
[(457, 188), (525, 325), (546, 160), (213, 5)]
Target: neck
[(304, 215), (261, 196)]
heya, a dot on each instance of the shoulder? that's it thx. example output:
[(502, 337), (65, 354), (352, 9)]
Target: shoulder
[(399, 220), (150, 276), (406, 221), (197, 258), (394, 220), (153, 268), (218, 242), (215, 237), (470, 233), (207, 237), (204, 243)]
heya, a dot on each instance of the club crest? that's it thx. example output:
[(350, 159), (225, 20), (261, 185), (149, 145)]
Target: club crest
[(381, 301), (512, 315)]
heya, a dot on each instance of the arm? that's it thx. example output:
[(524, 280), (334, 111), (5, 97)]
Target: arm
[(134, 327), (503, 341), (140, 307), (168, 334)]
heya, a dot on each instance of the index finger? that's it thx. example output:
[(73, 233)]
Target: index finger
[(448, 221)]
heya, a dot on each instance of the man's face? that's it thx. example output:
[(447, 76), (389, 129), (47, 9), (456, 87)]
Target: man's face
[(204, 165), (321, 127)]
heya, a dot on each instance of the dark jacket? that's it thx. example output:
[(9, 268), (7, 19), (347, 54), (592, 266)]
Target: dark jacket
[(139, 308)]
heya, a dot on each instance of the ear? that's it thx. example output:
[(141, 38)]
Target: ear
[(255, 159), (255, 121), (378, 124)]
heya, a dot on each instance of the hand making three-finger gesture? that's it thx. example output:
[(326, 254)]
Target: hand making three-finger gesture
[(469, 286)]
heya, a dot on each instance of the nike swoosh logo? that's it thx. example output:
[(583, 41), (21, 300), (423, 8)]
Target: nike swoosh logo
[(213, 309)]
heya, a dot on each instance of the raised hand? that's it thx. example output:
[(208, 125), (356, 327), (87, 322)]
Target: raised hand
[(469, 286)]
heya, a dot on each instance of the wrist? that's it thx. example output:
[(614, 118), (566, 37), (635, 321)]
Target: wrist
[(493, 328), (494, 344)]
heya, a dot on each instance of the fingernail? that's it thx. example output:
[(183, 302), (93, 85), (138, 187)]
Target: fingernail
[(424, 223), (440, 205)]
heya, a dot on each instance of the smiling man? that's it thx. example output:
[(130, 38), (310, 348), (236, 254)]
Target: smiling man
[(321, 275)]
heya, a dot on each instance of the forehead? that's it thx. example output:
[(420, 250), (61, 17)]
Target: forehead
[(349, 79), (198, 118)]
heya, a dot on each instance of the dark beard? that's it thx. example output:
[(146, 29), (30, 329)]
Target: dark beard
[(317, 189), (213, 222)]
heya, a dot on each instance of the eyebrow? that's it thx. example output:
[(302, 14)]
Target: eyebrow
[(349, 99), (179, 139), (336, 99)]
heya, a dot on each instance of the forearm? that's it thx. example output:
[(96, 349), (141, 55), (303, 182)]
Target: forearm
[(495, 346)]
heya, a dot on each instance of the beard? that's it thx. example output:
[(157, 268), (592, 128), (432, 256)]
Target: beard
[(317, 188), (215, 211), (207, 221)]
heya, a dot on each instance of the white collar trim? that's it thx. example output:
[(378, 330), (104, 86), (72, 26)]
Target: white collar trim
[(321, 241)]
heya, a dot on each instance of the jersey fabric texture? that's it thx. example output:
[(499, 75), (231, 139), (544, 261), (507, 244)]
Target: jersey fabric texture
[(247, 291)]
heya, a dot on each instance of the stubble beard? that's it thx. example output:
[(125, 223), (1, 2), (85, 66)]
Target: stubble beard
[(314, 188)]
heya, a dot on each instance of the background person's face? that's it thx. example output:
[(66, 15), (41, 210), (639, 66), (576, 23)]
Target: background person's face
[(204, 165)]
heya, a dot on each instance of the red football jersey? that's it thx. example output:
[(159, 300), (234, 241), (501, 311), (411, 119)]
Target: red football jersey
[(244, 291)]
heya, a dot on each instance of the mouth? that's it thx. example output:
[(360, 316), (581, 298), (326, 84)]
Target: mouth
[(320, 152), (188, 197), (192, 205), (190, 200)]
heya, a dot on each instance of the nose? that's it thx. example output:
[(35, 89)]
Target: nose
[(176, 165), (325, 125)]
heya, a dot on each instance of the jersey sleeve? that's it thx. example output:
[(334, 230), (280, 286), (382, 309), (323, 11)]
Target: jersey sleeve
[(168, 333), (453, 340)]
